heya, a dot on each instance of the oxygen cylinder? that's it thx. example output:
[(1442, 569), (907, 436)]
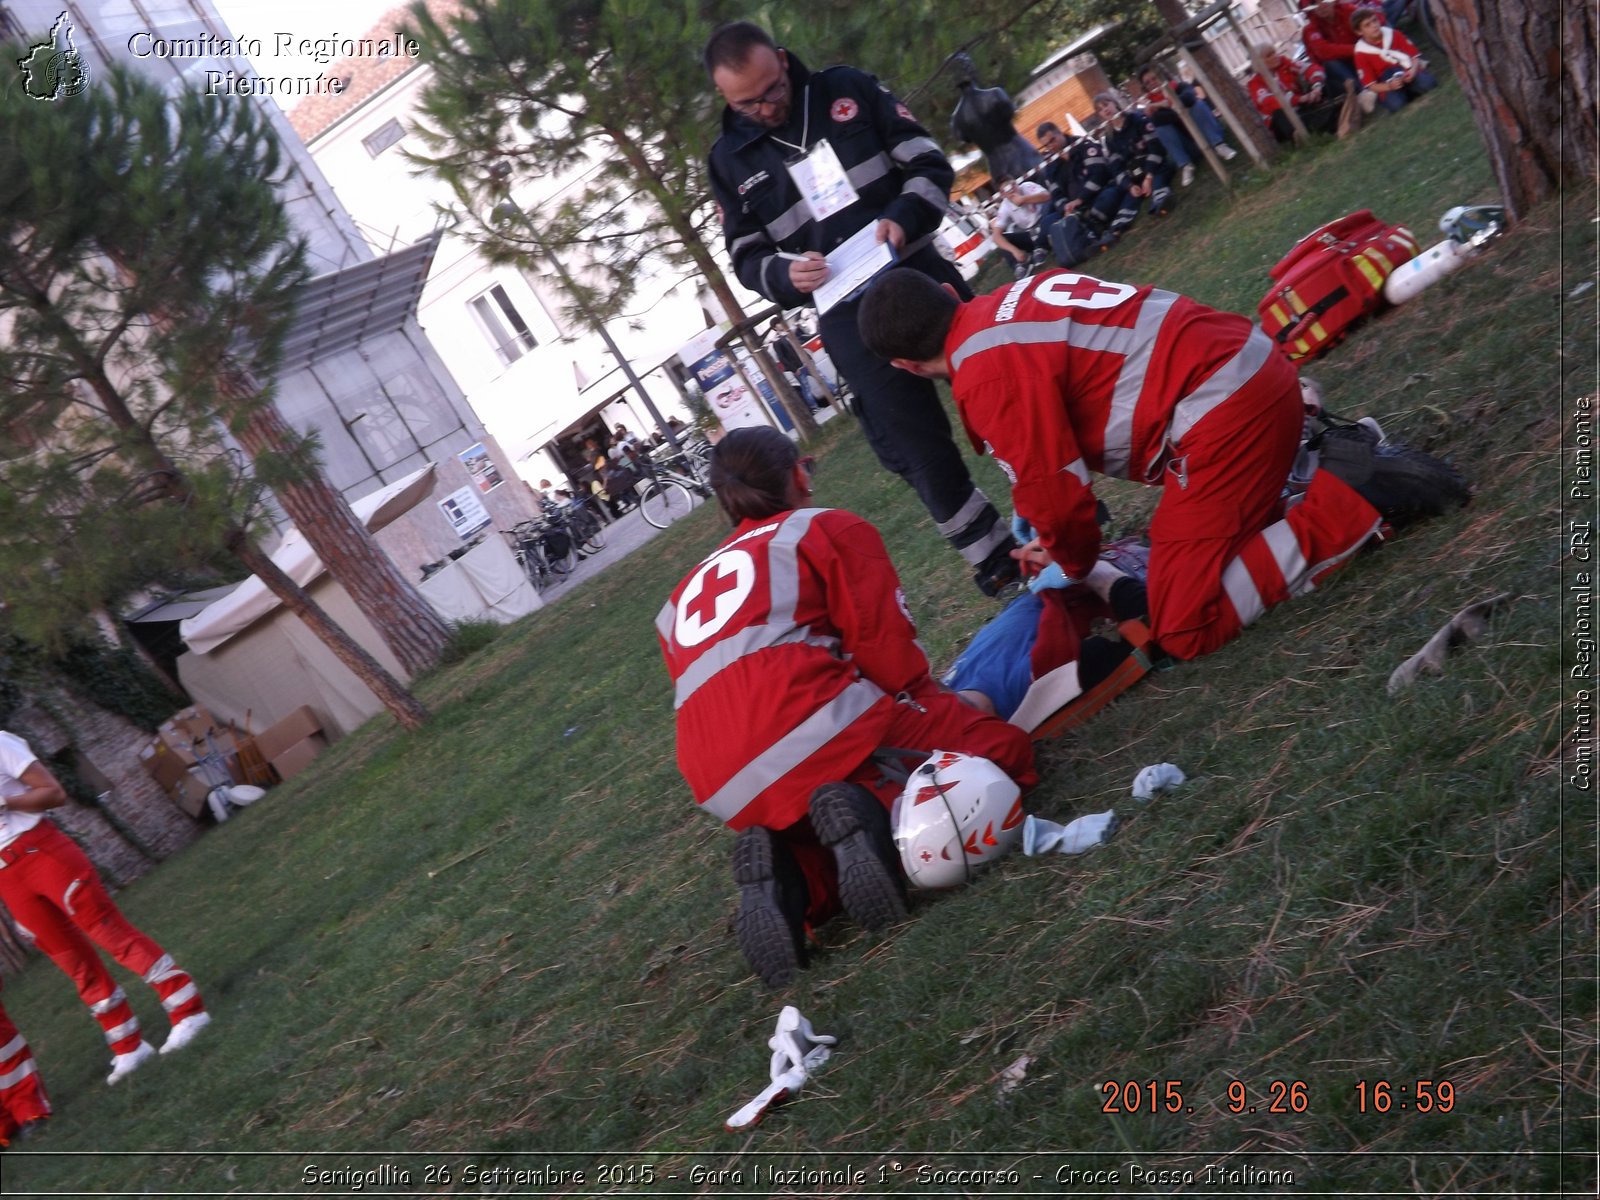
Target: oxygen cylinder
[(1425, 270)]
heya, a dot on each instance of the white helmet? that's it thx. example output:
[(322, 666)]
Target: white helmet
[(957, 813)]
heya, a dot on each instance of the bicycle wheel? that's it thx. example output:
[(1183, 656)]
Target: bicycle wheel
[(663, 501), (586, 528)]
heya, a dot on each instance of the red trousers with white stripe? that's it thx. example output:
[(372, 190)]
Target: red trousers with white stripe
[(58, 901), (945, 722), (1222, 550), (22, 1097)]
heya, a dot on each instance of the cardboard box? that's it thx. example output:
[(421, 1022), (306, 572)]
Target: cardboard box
[(296, 758), (297, 726), (162, 765), (190, 792), (194, 721)]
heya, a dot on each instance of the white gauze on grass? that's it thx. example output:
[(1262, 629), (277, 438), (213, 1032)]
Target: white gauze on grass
[(1046, 837)]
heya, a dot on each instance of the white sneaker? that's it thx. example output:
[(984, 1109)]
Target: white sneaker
[(1185, 179), (1225, 151), (123, 1065), (185, 1031)]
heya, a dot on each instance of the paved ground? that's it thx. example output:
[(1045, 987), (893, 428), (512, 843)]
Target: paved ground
[(623, 537)]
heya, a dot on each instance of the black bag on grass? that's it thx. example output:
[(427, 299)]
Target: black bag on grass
[(1071, 242)]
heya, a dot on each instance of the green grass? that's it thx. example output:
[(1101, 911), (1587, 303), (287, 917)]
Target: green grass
[(508, 934)]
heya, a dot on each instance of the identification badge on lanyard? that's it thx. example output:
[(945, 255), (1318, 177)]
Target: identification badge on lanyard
[(822, 181)]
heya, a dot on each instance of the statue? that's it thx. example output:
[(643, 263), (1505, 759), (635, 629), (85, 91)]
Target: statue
[(983, 116)]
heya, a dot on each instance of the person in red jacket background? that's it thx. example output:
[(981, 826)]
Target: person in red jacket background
[(1062, 375), (1388, 61), (1330, 42), (794, 659), (1305, 88), (22, 1098)]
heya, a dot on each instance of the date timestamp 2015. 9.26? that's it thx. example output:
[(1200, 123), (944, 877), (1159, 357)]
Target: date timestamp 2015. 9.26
[(1278, 1096)]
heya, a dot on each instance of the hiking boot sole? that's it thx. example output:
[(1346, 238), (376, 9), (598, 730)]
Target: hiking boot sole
[(850, 822), (772, 945)]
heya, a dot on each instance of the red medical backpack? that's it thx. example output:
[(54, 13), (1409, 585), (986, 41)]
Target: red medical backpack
[(1331, 279)]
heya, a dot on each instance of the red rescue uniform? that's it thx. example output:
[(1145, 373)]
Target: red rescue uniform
[(22, 1097), (1062, 375), (793, 659)]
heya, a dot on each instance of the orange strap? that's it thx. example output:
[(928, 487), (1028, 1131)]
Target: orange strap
[(1127, 673)]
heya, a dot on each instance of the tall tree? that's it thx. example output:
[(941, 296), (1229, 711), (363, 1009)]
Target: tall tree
[(1528, 73), (147, 275), (606, 95)]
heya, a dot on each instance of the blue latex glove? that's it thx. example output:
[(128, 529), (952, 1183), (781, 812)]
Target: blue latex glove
[(1021, 530), (1051, 577)]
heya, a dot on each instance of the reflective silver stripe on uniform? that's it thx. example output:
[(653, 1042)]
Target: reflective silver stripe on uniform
[(965, 515), (1130, 383), (1078, 471), (748, 239), (1285, 548), (870, 171), (734, 647), (10, 1049), (799, 744), (774, 273), (915, 148), (100, 1007), (976, 552), (1224, 382), (1315, 570), (783, 597), (181, 997), (162, 968), (1242, 592), (66, 896), (1109, 339), (925, 190), (788, 223), (126, 1030), (11, 1078)]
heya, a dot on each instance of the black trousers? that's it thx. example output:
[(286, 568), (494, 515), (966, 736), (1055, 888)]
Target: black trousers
[(907, 427)]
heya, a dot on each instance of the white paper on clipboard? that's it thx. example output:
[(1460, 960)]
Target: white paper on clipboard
[(851, 264)]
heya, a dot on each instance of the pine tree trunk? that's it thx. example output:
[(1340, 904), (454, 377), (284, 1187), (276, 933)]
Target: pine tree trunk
[(1528, 73), (402, 705), (414, 632)]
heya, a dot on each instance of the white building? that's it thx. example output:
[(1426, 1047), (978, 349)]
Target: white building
[(534, 378)]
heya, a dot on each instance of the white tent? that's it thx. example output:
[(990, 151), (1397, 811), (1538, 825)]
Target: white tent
[(251, 658)]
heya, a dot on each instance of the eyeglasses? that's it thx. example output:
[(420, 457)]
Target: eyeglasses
[(808, 464), (770, 98)]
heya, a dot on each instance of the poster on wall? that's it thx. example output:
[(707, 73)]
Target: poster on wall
[(481, 467), (465, 512), (713, 369)]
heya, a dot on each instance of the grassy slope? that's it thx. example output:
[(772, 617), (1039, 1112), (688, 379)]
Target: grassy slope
[(509, 932)]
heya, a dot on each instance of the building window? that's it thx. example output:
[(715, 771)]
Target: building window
[(508, 332), (381, 138)]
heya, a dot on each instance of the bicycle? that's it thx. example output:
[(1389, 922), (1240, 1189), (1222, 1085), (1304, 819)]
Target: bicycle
[(665, 497), (531, 546)]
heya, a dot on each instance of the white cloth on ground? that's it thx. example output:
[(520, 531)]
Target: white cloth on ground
[(797, 1050), (1156, 779), (1045, 837)]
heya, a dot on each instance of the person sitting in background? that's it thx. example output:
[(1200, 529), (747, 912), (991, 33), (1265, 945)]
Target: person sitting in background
[(794, 660), (1159, 91), (1143, 170), (1081, 181), (1015, 225), (1331, 44), (1303, 86), (59, 904), (1388, 61)]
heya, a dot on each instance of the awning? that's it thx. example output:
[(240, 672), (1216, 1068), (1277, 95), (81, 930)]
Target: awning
[(251, 600), (336, 311)]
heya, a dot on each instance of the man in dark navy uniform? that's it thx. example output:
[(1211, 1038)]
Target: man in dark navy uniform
[(805, 161)]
